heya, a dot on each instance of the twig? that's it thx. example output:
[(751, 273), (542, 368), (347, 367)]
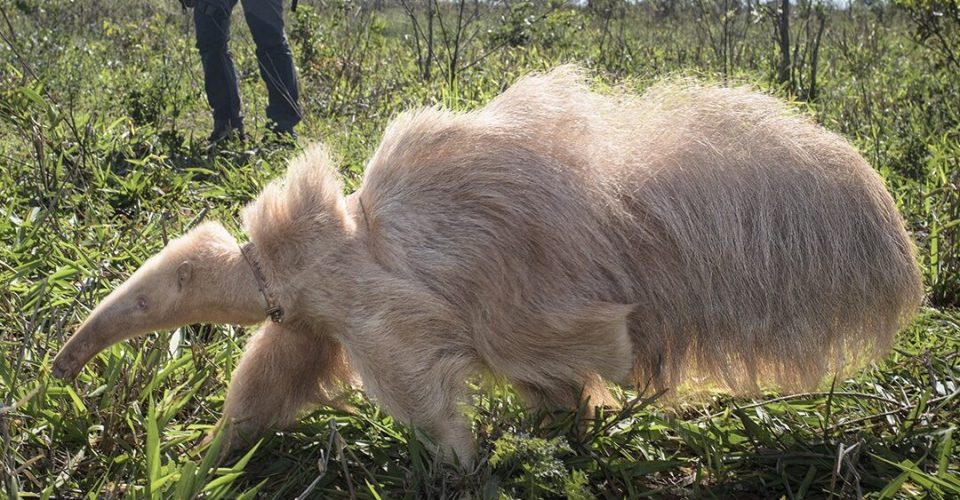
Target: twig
[(322, 463), (343, 458), (891, 412), (9, 475), (841, 457), (27, 341), (810, 395)]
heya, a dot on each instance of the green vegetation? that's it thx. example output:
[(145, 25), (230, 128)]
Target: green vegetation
[(102, 117)]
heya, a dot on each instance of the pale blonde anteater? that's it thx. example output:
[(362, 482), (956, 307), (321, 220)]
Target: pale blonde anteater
[(558, 238)]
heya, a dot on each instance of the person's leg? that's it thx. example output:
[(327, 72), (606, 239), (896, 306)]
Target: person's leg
[(265, 19), (212, 19)]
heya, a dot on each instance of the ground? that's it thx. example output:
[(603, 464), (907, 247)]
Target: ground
[(102, 160)]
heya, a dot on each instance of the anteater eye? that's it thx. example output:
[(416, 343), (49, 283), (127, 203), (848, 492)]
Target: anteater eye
[(141, 303)]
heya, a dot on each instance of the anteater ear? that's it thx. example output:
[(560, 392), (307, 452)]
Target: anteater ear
[(184, 273)]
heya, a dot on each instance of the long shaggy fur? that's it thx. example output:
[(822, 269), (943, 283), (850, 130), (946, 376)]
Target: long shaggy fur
[(560, 238)]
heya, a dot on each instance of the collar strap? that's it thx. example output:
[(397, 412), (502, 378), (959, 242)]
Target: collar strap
[(273, 309)]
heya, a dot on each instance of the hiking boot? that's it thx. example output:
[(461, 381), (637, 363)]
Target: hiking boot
[(280, 137), (226, 132)]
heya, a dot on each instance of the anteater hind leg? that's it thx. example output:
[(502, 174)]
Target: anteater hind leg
[(568, 357), (590, 392)]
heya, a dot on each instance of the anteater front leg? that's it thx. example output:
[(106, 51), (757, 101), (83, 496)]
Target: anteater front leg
[(283, 370), (423, 389), (414, 362)]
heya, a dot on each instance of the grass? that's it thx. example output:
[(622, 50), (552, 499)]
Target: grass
[(102, 163)]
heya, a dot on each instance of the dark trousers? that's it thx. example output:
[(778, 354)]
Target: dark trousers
[(265, 20)]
